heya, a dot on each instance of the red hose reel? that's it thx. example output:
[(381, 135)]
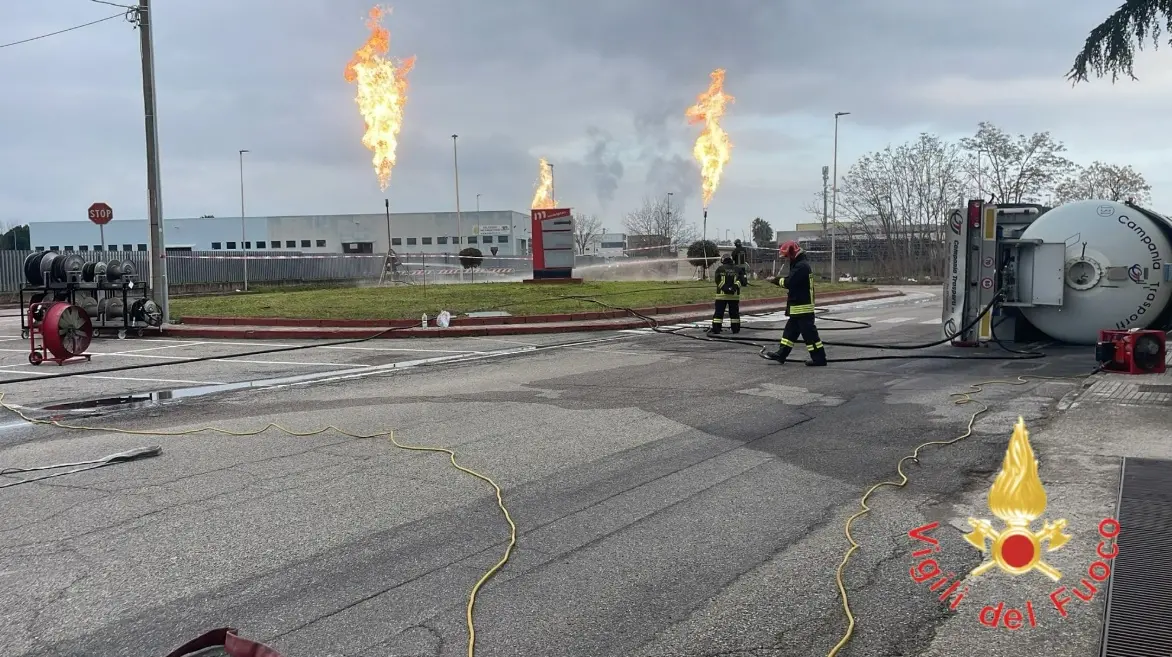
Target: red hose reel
[(59, 331)]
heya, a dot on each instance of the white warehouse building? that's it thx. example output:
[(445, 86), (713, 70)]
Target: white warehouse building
[(410, 232)]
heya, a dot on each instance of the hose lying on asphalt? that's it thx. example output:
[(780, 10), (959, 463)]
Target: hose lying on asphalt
[(652, 322), (154, 451)]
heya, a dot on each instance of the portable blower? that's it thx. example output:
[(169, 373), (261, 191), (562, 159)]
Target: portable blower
[(1132, 352)]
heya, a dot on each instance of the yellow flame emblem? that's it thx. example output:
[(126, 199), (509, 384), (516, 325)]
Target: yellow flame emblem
[(1017, 498)]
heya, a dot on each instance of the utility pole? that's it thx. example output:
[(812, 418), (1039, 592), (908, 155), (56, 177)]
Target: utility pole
[(834, 202), (459, 219), (243, 234), (154, 191), (553, 196)]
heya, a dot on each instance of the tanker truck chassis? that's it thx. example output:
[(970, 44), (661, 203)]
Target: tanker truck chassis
[(1024, 272)]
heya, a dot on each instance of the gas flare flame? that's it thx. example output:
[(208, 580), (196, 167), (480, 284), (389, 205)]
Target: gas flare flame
[(382, 93), (543, 198), (713, 148), (1017, 496)]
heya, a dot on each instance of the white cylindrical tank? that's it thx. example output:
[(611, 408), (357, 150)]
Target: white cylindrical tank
[(1114, 275)]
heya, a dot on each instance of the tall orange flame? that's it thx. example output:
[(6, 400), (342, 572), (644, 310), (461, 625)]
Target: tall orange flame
[(382, 93), (543, 198), (1017, 496), (713, 148)]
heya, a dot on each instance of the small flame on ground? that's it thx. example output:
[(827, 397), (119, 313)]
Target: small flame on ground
[(1017, 496), (713, 148), (382, 93), (543, 197)]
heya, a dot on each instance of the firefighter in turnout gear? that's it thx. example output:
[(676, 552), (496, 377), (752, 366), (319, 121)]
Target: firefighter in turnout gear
[(729, 280), (799, 283), (740, 255)]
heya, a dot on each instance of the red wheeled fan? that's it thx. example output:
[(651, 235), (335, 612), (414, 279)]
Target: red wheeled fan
[(60, 332)]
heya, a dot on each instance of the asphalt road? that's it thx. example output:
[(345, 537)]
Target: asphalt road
[(672, 497)]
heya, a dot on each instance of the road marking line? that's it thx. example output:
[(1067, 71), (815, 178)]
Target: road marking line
[(930, 321), (131, 378), (117, 378), (416, 350), (858, 319), (168, 346), (896, 320)]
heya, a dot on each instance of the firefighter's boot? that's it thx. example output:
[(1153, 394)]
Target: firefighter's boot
[(817, 355), (781, 354)]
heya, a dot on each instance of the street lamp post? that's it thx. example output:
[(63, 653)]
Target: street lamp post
[(553, 196), (834, 205), (459, 218), (243, 235), (478, 218)]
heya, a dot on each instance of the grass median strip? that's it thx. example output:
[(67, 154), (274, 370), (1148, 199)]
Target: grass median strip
[(410, 302)]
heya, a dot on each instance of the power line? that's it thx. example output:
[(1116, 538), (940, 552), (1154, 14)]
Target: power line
[(68, 29)]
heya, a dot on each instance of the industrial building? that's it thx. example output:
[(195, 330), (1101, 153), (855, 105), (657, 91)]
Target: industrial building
[(410, 232), (607, 245)]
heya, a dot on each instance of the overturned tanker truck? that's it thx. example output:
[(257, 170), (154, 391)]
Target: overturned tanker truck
[(1024, 272)]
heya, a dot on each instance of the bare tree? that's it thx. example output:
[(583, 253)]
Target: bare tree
[(817, 209), (897, 200), (1109, 47), (660, 218), (1016, 169), (586, 228), (1103, 181)]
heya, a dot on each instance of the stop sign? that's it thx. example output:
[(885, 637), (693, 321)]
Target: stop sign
[(101, 214)]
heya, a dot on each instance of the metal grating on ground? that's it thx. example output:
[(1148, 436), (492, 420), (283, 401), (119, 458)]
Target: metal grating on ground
[(1139, 598)]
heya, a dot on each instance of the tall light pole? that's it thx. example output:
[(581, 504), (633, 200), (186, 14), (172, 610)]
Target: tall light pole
[(242, 232), (553, 196), (834, 204), (478, 219), (145, 20), (669, 222), (459, 218)]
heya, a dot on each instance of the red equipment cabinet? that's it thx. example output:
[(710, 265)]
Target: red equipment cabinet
[(1132, 352)]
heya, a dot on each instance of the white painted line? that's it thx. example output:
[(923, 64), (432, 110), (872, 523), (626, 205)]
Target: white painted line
[(115, 378), (283, 362), (416, 350), (167, 346), (131, 378), (858, 319), (930, 321), (264, 344), (896, 320)]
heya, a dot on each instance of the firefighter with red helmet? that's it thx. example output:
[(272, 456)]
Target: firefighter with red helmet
[(799, 306)]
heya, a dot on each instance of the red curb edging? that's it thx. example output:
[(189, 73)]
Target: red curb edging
[(484, 321), (529, 328)]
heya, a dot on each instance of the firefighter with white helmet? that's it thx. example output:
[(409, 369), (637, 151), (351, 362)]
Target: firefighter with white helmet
[(799, 306)]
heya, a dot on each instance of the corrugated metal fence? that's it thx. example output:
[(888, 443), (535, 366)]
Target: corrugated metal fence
[(212, 267)]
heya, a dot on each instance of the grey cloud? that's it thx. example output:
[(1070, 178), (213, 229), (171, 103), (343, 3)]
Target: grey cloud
[(516, 79), (604, 164)]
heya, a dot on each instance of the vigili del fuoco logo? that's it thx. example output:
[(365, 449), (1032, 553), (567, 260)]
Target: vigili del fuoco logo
[(1017, 499)]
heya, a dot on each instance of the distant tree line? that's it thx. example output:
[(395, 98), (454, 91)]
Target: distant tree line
[(15, 238), (893, 203)]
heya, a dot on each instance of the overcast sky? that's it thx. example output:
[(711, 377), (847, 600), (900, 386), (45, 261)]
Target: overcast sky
[(599, 88)]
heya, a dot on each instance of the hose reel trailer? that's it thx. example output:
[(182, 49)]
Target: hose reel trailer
[(1059, 274), (108, 293)]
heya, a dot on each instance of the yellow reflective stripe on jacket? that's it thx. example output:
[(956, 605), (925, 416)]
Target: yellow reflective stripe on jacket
[(728, 297), (802, 309)]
